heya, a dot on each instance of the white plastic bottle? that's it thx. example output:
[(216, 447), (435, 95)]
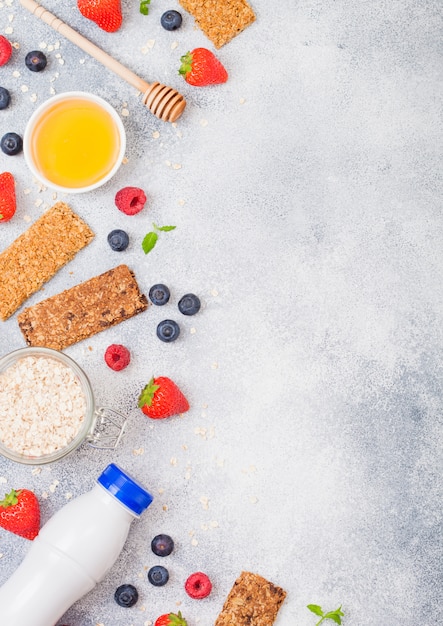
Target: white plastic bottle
[(73, 551)]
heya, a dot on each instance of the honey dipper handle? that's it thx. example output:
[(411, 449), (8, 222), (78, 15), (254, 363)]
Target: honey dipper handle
[(164, 102), (86, 45)]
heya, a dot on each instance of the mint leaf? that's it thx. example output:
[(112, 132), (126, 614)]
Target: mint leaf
[(335, 618), (149, 242), (164, 229), (144, 9), (315, 609)]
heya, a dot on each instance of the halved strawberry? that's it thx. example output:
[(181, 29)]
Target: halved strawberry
[(7, 196), (162, 398)]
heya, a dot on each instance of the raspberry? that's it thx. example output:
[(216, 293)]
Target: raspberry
[(117, 357), (130, 200), (198, 586), (5, 50)]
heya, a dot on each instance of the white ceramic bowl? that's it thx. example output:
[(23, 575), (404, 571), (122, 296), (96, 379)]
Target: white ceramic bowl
[(42, 111)]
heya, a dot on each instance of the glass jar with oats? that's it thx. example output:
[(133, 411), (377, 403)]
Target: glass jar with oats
[(47, 408)]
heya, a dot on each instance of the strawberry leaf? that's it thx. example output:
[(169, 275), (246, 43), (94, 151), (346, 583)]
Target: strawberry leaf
[(149, 242), (147, 394), (335, 618), (315, 609), (144, 8), (164, 229)]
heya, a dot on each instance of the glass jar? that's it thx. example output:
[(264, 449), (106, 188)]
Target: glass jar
[(101, 427)]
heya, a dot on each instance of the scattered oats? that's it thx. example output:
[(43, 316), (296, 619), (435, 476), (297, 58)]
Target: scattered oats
[(192, 331), (179, 134), (68, 495), (214, 293), (203, 414), (58, 55), (242, 100), (138, 451), (41, 186), (27, 218), (33, 97), (213, 524), (10, 17), (174, 124), (191, 533), (178, 603), (45, 495), (200, 431), (24, 88), (220, 462), (125, 160), (253, 499), (214, 366), (36, 471), (165, 507), (56, 45), (168, 163), (188, 473), (100, 624), (1, 555), (142, 608), (148, 623), (16, 74), (173, 460), (16, 45), (204, 501), (141, 575), (43, 45), (61, 61), (9, 30), (52, 91), (156, 134), (174, 45), (148, 46), (125, 112), (181, 202), (26, 191), (184, 447), (161, 490), (54, 195), (53, 78), (211, 434), (194, 542), (205, 405), (204, 527), (56, 74), (176, 166), (203, 122), (82, 61), (3, 480), (38, 202)]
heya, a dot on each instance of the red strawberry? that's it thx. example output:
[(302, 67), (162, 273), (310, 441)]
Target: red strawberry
[(5, 50), (171, 619), (107, 14), (162, 398), (7, 196), (201, 67), (20, 513)]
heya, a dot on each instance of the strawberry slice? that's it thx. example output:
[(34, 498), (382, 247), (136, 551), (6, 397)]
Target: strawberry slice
[(162, 398), (7, 196)]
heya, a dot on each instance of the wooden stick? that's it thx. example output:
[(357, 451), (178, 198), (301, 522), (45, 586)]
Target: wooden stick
[(164, 102)]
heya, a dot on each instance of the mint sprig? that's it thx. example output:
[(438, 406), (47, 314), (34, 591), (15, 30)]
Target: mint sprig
[(144, 6), (335, 616), (151, 238)]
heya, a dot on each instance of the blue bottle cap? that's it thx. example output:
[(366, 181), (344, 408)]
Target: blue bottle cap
[(125, 489)]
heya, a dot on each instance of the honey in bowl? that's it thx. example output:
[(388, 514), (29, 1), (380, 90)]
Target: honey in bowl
[(75, 142)]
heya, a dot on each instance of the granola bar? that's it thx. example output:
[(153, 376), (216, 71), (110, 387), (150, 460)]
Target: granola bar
[(252, 601), (38, 253), (220, 20), (84, 310)]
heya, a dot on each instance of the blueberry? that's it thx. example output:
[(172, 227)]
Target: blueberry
[(162, 545), (158, 575), (5, 98), (189, 304), (168, 330), (11, 143), (159, 294), (171, 20), (118, 240), (126, 595), (35, 61)]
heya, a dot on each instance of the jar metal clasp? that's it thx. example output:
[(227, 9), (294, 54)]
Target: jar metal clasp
[(107, 429)]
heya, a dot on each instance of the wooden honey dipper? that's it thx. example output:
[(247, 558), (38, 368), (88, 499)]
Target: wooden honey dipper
[(164, 102)]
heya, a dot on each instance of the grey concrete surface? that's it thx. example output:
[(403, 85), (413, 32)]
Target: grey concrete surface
[(307, 196)]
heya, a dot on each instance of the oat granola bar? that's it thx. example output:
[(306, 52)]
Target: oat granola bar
[(38, 253), (252, 601), (220, 20), (83, 310)]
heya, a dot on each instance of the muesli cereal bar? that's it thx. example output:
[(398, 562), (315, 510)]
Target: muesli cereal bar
[(83, 310), (220, 20), (252, 601), (38, 253)]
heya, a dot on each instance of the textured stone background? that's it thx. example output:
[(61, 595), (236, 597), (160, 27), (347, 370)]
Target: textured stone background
[(308, 214)]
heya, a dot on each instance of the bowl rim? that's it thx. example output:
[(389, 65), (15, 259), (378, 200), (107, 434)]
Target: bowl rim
[(12, 357), (36, 115)]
